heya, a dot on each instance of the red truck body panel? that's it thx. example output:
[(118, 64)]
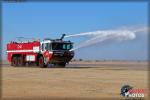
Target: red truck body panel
[(22, 48)]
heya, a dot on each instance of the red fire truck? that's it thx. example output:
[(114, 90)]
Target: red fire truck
[(42, 53)]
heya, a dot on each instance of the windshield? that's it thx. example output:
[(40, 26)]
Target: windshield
[(61, 46)]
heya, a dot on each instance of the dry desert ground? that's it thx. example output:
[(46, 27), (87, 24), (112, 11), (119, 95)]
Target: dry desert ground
[(80, 79)]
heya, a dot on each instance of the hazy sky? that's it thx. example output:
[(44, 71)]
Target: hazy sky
[(51, 19)]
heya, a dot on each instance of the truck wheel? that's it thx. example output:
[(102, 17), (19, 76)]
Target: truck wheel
[(61, 65), (41, 62), (14, 61), (37, 63), (21, 61)]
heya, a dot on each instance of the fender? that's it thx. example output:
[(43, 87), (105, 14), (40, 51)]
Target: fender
[(47, 56)]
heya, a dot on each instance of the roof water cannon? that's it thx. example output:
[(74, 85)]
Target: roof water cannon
[(62, 37)]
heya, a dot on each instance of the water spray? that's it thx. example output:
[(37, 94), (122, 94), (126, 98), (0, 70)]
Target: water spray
[(103, 35)]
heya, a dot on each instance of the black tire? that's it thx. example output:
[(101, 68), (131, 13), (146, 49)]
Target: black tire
[(41, 63), (11, 63), (14, 61), (29, 64), (61, 65), (37, 62), (21, 61)]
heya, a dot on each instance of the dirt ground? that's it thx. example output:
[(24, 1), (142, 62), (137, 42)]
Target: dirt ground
[(92, 80)]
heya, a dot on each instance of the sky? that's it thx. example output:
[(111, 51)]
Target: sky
[(51, 19)]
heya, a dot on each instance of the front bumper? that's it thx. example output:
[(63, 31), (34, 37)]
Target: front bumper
[(61, 57)]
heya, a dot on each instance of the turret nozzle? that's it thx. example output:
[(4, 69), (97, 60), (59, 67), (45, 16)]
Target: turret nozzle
[(62, 37)]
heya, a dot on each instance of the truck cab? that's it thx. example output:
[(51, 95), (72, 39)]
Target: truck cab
[(56, 51)]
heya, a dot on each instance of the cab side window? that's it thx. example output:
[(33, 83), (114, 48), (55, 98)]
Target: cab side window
[(50, 46), (46, 46), (42, 47)]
